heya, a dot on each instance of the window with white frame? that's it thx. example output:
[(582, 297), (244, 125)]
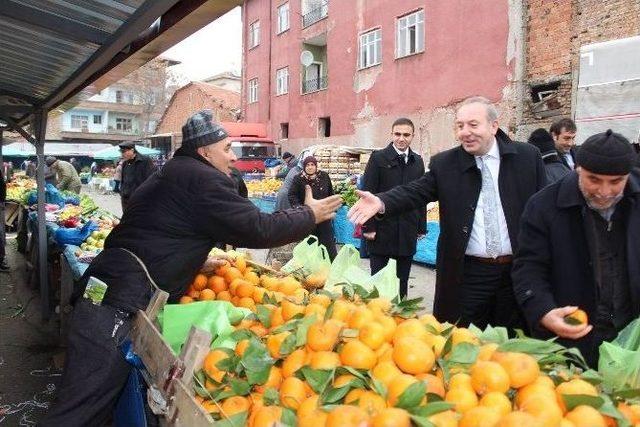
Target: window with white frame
[(283, 17), (371, 48), (410, 34), (123, 124), (252, 93), (79, 122), (254, 34), (282, 81)]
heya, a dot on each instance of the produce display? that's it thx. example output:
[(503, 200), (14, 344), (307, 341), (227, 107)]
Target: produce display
[(19, 187), (348, 192), (341, 162), (355, 359), (263, 187)]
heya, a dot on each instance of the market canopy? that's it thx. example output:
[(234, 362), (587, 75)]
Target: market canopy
[(25, 149), (113, 153)]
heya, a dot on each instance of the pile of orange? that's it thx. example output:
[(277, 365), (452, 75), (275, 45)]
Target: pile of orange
[(333, 361)]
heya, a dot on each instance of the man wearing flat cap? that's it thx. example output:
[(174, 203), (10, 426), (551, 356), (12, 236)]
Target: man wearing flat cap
[(579, 247), (170, 226), (136, 168)]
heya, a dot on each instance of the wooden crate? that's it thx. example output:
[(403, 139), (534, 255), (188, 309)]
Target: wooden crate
[(170, 375)]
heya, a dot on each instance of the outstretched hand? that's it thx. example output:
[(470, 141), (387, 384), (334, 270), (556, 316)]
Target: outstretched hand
[(213, 263), (365, 208), (323, 209)]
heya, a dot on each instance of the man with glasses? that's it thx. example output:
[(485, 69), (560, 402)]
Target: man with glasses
[(394, 237), (482, 186), (136, 168)]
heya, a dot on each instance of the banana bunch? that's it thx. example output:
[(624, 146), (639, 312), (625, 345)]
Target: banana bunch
[(69, 211)]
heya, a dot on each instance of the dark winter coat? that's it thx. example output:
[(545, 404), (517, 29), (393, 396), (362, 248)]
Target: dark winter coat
[(395, 235), (172, 222), (554, 267), (321, 188), (134, 173), (455, 181), (282, 198), (555, 169)]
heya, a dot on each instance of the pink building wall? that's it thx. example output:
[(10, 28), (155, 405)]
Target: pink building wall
[(466, 53)]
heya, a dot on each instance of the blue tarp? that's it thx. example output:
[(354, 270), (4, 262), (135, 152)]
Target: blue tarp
[(77, 268), (343, 230)]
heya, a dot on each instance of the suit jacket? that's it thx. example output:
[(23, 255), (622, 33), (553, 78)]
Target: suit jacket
[(572, 153), (395, 235), (455, 180)]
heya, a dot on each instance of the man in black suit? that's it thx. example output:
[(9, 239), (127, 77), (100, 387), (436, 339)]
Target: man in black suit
[(563, 132), (394, 237), (482, 185)]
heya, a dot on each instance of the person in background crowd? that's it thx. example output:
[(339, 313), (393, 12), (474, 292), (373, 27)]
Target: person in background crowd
[(563, 132), (482, 186), (289, 161), (3, 240), (93, 169), (67, 177), (7, 170), (136, 168), (580, 248), (394, 237), (321, 188), (554, 167), (49, 174), (282, 197), (24, 164), (177, 215), (76, 164), (117, 177), (30, 169)]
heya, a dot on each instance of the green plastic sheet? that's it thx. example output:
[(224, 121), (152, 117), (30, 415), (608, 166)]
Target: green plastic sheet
[(308, 256), (215, 317), (619, 361), (346, 269)]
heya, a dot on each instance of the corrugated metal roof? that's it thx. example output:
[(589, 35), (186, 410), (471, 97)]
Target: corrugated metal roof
[(55, 53)]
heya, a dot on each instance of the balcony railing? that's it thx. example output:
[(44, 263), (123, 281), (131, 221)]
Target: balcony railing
[(316, 14), (314, 85)]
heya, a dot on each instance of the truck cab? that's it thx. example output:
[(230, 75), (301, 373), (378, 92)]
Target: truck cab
[(251, 145)]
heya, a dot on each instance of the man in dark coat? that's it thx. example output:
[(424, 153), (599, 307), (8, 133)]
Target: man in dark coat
[(555, 168), (321, 188), (482, 186), (163, 240), (580, 248), (563, 131), (136, 168), (395, 236)]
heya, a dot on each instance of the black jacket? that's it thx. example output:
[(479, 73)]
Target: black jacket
[(172, 222), (321, 188), (554, 267), (3, 189), (455, 181), (134, 173), (555, 169), (240, 185), (395, 235)]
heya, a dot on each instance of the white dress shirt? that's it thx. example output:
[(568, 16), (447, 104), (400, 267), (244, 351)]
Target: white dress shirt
[(405, 152), (569, 159), (477, 244)]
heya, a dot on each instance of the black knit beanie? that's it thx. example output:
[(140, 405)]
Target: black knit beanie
[(606, 153)]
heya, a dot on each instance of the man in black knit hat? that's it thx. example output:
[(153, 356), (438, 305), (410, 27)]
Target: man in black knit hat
[(579, 247)]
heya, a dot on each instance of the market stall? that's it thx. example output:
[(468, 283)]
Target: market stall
[(271, 349)]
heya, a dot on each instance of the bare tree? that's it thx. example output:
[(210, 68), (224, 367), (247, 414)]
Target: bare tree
[(152, 86)]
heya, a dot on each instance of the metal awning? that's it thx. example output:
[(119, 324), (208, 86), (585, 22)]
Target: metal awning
[(55, 53)]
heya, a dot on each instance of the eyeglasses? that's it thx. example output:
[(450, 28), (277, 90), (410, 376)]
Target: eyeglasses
[(399, 134)]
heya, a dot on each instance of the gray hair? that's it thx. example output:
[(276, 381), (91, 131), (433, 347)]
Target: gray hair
[(492, 111)]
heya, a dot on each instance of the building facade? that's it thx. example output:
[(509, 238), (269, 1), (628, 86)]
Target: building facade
[(186, 101), (128, 110), (337, 71)]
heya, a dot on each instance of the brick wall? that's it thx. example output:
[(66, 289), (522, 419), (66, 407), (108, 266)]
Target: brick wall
[(186, 102), (556, 29)]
